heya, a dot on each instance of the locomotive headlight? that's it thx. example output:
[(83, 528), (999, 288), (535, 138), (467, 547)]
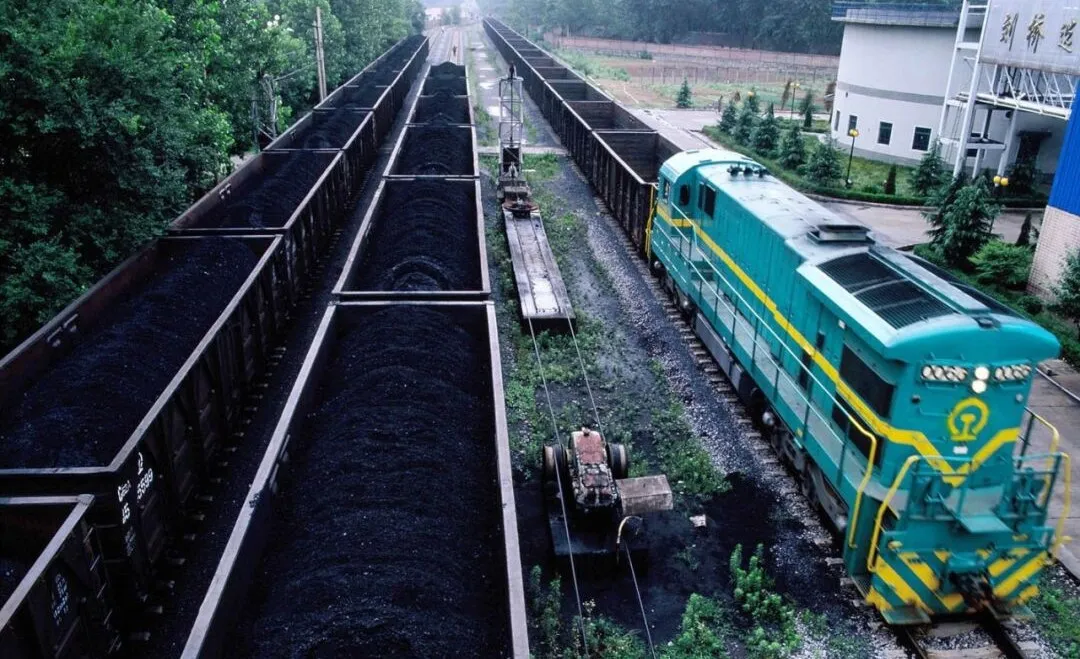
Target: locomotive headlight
[(982, 373), (979, 386), (1012, 373), (938, 373)]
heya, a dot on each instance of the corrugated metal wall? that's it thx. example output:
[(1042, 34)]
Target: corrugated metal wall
[(1066, 193)]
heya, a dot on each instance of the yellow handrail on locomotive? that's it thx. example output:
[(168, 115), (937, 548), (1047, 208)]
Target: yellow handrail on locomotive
[(1059, 538), (868, 474), (649, 225), (1055, 442)]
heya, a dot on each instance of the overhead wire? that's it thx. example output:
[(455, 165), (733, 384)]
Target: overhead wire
[(562, 498)]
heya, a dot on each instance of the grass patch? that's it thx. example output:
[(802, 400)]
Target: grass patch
[(1019, 302), (1055, 615), (817, 126), (683, 457)]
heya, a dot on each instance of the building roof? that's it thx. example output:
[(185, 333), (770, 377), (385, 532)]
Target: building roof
[(943, 14)]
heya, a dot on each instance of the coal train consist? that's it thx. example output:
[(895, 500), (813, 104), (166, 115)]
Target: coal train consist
[(116, 413), (896, 394)]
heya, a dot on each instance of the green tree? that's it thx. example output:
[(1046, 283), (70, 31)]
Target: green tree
[(766, 134), (808, 112), (1024, 239), (730, 118), (792, 149), (967, 224), (890, 181), (753, 102), (1067, 291), (931, 172), (745, 123), (941, 199), (824, 167), (685, 99), (101, 144), (999, 263), (1022, 177)]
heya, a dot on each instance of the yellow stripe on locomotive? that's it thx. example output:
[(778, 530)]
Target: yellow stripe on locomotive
[(897, 392)]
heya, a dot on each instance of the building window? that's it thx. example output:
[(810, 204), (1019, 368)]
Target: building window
[(922, 139), (707, 200), (836, 124), (852, 122), (884, 133)]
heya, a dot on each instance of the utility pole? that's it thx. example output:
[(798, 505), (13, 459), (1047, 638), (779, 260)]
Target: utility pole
[(320, 56)]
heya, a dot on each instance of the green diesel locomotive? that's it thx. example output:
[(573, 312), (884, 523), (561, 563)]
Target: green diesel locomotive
[(896, 393)]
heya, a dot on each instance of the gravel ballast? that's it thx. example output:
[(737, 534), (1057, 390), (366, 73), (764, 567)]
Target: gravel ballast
[(387, 541), (423, 238), (82, 410)]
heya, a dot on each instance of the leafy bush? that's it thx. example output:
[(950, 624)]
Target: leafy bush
[(730, 118), (701, 633), (745, 122), (774, 633), (1003, 264), (824, 166), (1022, 176), (1067, 291), (1031, 305), (1024, 239)]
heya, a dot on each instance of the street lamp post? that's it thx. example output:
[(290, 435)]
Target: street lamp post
[(853, 133), (999, 183)]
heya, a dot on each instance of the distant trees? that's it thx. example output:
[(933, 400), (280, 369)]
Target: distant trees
[(116, 115), (787, 25)]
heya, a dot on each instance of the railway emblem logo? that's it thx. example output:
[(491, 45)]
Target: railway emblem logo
[(967, 420)]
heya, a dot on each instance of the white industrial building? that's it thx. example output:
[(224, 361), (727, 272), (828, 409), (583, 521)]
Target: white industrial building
[(905, 76)]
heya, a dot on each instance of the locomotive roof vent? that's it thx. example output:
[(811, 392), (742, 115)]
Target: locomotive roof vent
[(841, 233)]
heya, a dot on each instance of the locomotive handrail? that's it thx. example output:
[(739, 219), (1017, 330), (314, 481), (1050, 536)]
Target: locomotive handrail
[(871, 553), (762, 322), (1059, 531)]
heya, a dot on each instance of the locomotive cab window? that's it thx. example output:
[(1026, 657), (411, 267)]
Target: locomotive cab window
[(707, 200), (684, 195), (665, 189), (866, 382)]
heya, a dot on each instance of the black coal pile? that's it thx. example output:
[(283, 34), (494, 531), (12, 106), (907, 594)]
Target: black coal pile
[(436, 151), (423, 239), (387, 542), (276, 197), (364, 96), (453, 84), (82, 410), (442, 109), (329, 130)]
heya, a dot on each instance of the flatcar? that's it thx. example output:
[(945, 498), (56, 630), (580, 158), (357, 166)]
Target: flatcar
[(896, 393)]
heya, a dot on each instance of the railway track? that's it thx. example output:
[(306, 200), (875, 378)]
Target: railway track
[(1001, 645)]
